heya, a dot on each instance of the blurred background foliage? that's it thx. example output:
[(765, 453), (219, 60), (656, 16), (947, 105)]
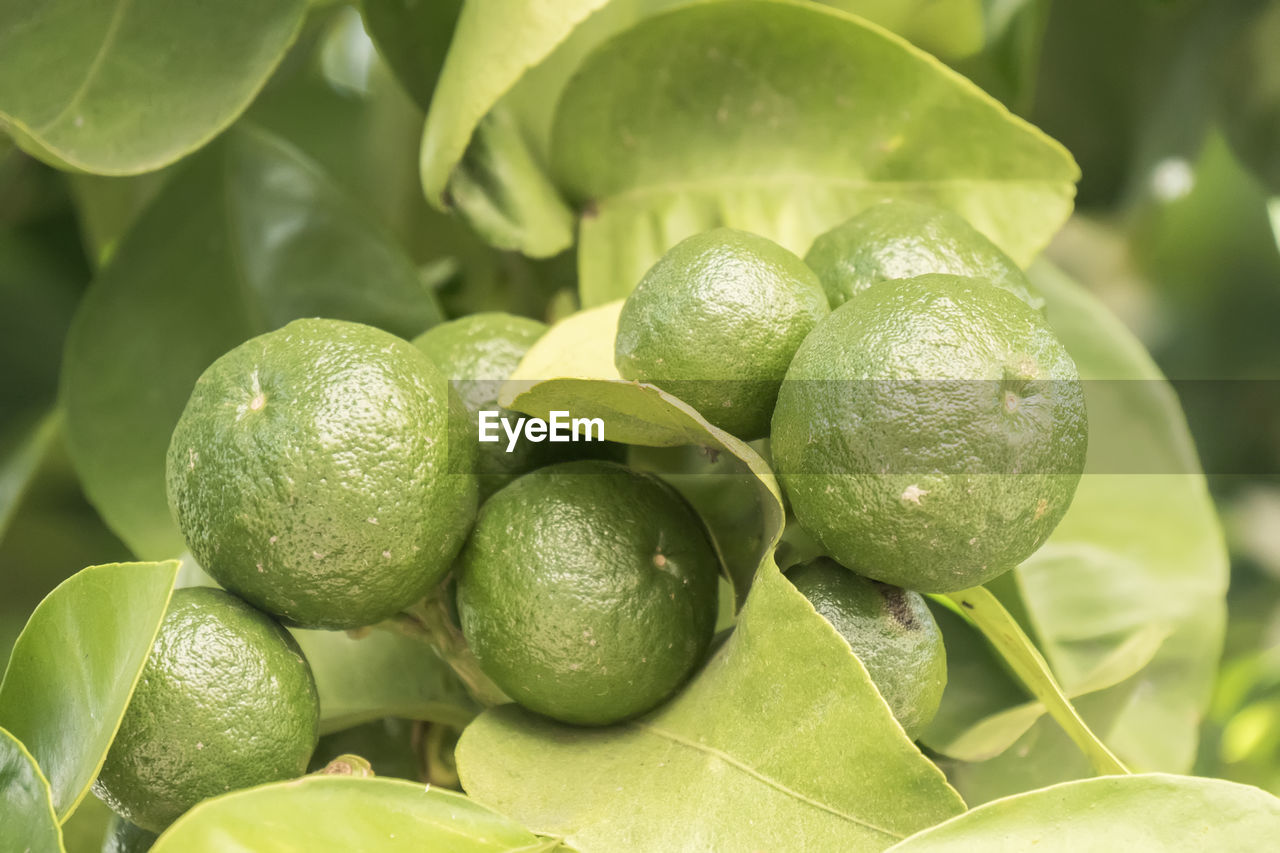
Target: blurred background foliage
[(1171, 107)]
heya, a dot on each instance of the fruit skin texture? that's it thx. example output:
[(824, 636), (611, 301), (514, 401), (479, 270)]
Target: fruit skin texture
[(226, 701), (904, 239), (323, 472), (478, 353), (588, 591), (891, 631), (931, 485), (716, 321)]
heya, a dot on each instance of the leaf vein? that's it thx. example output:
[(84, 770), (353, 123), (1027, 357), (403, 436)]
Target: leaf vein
[(755, 774), (108, 41)]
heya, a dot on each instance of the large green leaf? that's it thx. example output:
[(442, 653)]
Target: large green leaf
[(248, 237), (74, 668), (334, 814), (784, 119), (571, 368), (729, 763), (27, 819), (1135, 550), (126, 86), (382, 674), (1174, 814)]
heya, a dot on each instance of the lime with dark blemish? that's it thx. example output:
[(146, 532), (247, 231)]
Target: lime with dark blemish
[(588, 591), (226, 700), (891, 631), (931, 432), (324, 472)]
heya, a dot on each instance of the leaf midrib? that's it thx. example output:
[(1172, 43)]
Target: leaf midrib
[(760, 777)]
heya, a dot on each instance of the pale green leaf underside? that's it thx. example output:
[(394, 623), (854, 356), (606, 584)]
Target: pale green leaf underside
[(271, 240), (382, 674), (728, 764), (128, 86), (712, 114), (334, 814), (1173, 814), (494, 43), (27, 818), (74, 667)]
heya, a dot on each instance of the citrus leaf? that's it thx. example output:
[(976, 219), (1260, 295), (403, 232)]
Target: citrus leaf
[(129, 86), (735, 130), (571, 368), (1017, 650), (74, 667), (413, 37), (494, 43), (320, 814), (382, 674), (27, 819), (1135, 549), (482, 168), (991, 735), (699, 772), (1176, 814), (245, 238)]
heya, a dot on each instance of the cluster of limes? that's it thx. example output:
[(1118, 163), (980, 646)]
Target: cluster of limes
[(928, 428)]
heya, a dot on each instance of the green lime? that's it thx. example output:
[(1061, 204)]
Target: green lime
[(324, 472), (931, 432), (478, 353), (891, 631), (716, 321), (588, 591), (903, 239), (226, 701)]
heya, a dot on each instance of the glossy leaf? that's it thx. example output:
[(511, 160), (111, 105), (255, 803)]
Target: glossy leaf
[(382, 674), (733, 131), (493, 45), (27, 819), (335, 814), (270, 239), (1134, 550), (104, 619), (1175, 814), (129, 86), (571, 368), (728, 763)]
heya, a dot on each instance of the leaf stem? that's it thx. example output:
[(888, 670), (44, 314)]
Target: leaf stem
[(430, 622), (986, 612)]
